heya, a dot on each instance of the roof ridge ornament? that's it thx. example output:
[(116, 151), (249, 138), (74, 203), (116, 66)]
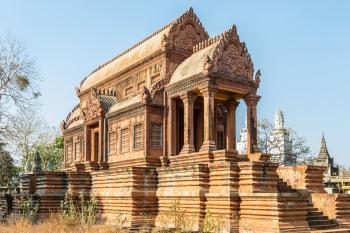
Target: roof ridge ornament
[(205, 43), (257, 77)]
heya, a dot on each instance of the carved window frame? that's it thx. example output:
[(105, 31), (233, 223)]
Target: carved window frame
[(76, 157), (140, 85), (138, 124), (126, 90), (82, 150), (69, 152), (109, 143), (121, 140)]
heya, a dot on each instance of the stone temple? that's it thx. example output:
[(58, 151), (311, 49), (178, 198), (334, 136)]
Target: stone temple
[(156, 126)]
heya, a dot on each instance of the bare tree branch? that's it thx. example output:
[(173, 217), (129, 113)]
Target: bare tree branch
[(18, 78)]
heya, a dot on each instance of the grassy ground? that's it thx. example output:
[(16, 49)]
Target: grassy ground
[(56, 224)]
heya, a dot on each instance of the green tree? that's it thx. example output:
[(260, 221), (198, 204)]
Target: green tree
[(51, 154), (9, 173)]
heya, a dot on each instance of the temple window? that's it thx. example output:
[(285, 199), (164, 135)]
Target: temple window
[(156, 135), (83, 149), (138, 142), (124, 140), (76, 151), (68, 152), (140, 85), (128, 91), (112, 143)]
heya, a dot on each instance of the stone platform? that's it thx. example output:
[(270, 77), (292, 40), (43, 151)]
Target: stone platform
[(246, 195)]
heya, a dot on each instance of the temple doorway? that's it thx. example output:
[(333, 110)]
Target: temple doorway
[(94, 145)]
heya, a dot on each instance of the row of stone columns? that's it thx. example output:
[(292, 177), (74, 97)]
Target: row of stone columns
[(209, 143)]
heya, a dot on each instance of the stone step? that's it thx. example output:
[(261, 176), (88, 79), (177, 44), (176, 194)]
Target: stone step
[(317, 217), (322, 222), (324, 227), (340, 230), (314, 213)]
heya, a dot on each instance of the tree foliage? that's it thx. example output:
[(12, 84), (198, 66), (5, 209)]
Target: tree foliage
[(9, 173), (51, 154)]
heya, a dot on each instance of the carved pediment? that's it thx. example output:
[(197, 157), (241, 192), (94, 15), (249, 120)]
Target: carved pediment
[(93, 107), (234, 63), (187, 38), (186, 32), (231, 57)]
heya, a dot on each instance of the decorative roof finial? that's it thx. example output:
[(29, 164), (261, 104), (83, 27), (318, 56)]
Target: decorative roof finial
[(77, 91), (63, 125), (208, 65), (257, 76), (146, 95)]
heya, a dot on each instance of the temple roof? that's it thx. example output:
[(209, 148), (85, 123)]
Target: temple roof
[(145, 48), (126, 103), (73, 118), (107, 101), (193, 65)]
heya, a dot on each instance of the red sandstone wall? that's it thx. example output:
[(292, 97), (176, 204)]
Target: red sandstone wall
[(308, 178)]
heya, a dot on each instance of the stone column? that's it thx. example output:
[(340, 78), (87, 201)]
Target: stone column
[(209, 141), (252, 129), (171, 140), (231, 107), (188, 101)]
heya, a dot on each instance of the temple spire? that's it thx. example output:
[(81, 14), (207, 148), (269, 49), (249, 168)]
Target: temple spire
[(323, 148), (279, 119)]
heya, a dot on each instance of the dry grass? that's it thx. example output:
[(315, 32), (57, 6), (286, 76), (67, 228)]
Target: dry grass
[(57, 225)]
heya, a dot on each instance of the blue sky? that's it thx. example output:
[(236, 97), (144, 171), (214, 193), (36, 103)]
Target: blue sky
[(302, 48)]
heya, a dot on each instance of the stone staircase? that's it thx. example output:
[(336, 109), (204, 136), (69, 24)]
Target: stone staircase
[(319, 223), (283, 187)]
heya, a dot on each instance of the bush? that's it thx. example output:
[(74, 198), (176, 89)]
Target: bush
[(85, 213), (28, 208), (210, 223)]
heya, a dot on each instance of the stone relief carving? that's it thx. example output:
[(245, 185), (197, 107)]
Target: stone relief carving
[(187, 38), (231, 57), (93, 107), (233, 63), (208, 65)]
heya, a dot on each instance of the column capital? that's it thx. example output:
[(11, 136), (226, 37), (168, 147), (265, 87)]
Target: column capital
[(189, 97), (205, 91), (231, 104), (252, 99)]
